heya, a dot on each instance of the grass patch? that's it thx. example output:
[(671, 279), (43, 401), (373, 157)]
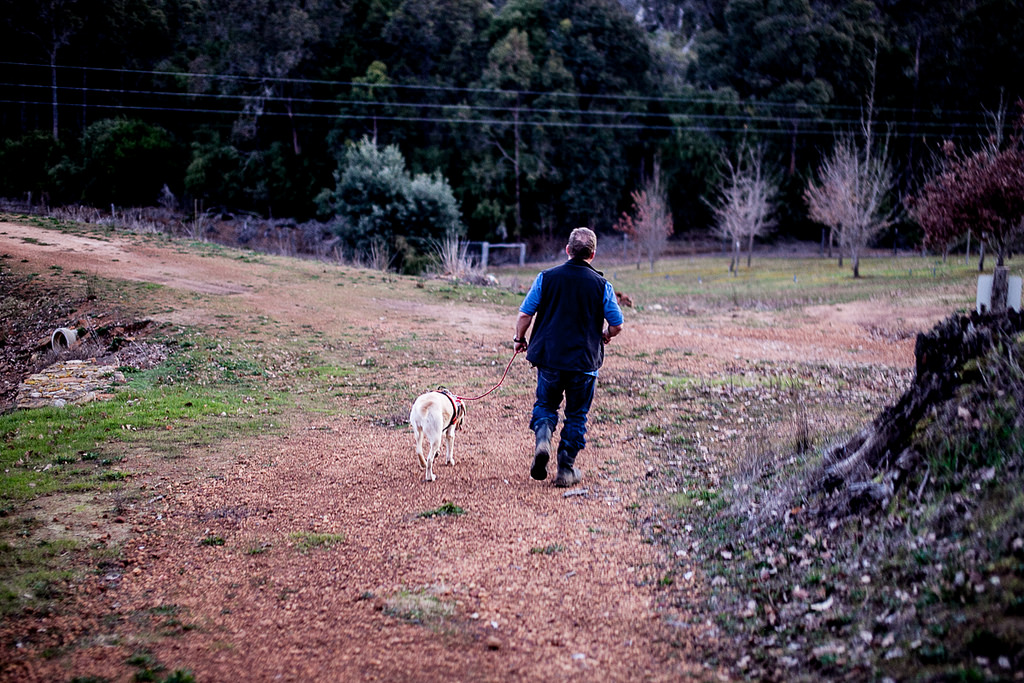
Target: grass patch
[(550, 549), (202, 394), (419, 607), (306, 541), (688, 284), (34, 575), (447, 509)]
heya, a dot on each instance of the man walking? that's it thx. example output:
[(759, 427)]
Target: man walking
[(568, 306)]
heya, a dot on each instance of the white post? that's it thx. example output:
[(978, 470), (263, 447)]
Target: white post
[(484, 248)]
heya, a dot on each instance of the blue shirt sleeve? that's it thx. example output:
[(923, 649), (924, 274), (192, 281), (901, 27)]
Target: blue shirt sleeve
[(532, 300), (612, 312)]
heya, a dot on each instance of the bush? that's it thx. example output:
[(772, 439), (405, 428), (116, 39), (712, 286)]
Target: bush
[(126, 162), (26, 162), (376, 199)]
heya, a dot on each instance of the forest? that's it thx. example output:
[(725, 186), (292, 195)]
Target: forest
[(504, 121)]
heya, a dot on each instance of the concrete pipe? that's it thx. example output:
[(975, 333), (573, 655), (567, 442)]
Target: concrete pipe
[(62, 338)]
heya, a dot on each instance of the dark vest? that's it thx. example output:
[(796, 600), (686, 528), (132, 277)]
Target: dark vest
[(569, 321)]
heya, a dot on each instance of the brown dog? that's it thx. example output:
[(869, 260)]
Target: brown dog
[(436, 414)]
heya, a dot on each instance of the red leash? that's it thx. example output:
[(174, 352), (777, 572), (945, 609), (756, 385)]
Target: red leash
[(475, 398)]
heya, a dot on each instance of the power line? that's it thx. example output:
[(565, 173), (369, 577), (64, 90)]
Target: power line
[(479, 90), (474, 121), (741, 118)]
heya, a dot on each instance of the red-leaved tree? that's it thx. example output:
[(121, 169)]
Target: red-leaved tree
[(982, 192), (650, 224)]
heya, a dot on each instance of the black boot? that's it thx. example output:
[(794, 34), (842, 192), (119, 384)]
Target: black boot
[(541, 452), (567, 474)]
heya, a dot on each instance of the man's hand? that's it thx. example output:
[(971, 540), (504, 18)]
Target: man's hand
[(522, 325), (610, 332)]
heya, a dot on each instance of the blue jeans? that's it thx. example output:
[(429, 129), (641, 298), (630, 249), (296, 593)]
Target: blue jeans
[(578, 390)]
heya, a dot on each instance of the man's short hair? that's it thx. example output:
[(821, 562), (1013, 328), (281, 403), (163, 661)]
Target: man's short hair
[(582, 243)]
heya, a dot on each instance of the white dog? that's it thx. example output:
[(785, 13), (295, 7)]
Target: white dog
[(434, 415)]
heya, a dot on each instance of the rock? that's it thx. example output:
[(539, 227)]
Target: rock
[(73, 381)]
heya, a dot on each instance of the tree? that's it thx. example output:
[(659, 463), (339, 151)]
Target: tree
[(26, 162), (57, 21), (743, 209), (853, 185), (792, 59), (127, 161), (650, 225), (850, 196), (574, 120), (376, 201), (510, 67), (256, 48), (982, 192)]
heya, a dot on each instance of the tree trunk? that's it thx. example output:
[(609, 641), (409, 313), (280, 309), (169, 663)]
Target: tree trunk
[(53, 90), (1000, 288), (856, 264), (792, 149), (519, 205), (981, 257), (295, 131), (941, 355), (750, 249)]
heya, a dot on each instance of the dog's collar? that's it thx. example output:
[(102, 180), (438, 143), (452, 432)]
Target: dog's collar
[(456, 405)]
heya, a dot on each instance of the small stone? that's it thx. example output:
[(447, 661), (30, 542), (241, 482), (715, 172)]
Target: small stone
[(493, 643)]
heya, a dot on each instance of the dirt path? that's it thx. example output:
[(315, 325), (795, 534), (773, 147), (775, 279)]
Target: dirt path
[(542, 584)]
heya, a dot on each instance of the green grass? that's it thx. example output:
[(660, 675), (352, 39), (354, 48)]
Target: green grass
[(196, 397), (444, 510), (550, 549), (306, 541), (419, 607), (704, 282), (32, 575)]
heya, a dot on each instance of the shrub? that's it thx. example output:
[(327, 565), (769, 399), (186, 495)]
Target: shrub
[(126, 162)]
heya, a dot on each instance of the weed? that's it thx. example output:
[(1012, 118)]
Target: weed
[(308, 540), (549, 549), (34, 574), (447, 509), (419, 607), (212, 540)]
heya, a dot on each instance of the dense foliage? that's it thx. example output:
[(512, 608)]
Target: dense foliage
[(982, 191), (539, 115)]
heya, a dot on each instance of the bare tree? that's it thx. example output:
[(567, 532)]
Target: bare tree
[(743, 205), (650, 224), (851, 195), (57, 23)]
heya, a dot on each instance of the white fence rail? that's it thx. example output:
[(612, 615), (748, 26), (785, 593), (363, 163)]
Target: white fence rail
[(486, 247)]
